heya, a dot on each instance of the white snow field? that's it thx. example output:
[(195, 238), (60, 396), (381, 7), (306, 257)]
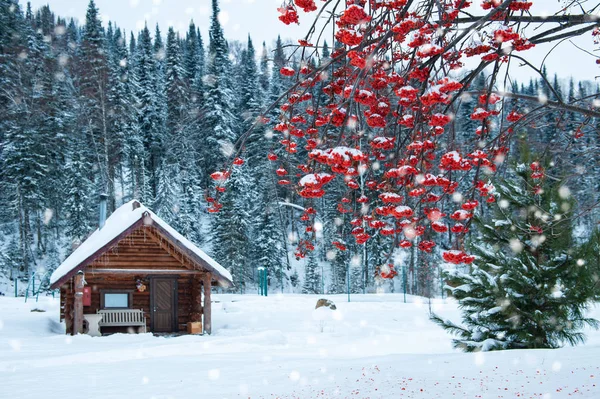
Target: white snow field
[(374, 347)]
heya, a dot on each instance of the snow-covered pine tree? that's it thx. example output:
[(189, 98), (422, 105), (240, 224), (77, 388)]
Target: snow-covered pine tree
[(167, 193), (191, 58), (62, 113), (121, 115), (265, 75), (250, 105), (166, 203), (220, 121), (149, 118), (591, 255), (175, 90), (268, 245), (79, 204), (184, 74), (266, 227), (278, 83), (312, 278), (230, 227), (249, 96), (24, 164), (201, 66), (530, 285), (92, 85), (161, 111), (136, 173)]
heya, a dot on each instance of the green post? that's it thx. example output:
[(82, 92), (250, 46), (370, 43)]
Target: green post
[(16, 287), (404, 281), (33, 284), (262, 281), (265, 282)]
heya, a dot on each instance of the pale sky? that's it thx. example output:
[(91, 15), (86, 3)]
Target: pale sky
[(259, 18)]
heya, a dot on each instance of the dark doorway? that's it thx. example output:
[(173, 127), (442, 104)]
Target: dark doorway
[(163, 303)]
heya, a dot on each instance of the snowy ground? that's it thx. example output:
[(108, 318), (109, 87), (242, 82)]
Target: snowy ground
[(377, 347)]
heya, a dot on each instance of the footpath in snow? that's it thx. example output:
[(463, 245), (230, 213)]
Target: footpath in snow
[(374, 347)]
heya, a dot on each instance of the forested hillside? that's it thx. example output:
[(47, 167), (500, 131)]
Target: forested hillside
[(90, 109)]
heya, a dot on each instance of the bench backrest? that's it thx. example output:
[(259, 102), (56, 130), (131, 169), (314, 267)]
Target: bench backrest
[(122, 317)]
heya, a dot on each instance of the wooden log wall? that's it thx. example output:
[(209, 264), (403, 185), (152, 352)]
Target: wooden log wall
[(139, 250), (141, 300)]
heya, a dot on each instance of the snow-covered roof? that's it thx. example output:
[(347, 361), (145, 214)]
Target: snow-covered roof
[(122, 219)]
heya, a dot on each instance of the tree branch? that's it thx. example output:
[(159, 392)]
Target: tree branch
[(561, 19), (550, 104)]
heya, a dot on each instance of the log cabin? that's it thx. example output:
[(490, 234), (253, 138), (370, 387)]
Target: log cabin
[(135, 273)]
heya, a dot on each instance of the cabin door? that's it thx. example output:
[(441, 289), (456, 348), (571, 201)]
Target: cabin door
[(163, 303)]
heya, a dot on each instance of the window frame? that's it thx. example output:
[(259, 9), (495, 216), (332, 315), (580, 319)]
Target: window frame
[(129, 294)]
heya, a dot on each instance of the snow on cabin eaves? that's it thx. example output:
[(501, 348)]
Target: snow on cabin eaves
[(119, 221)]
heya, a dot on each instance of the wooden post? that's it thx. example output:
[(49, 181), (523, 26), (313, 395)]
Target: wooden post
[(68, 309), (207, 310), (78, 308), (196, 309)]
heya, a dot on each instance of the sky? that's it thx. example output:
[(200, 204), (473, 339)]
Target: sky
[(259, 19)]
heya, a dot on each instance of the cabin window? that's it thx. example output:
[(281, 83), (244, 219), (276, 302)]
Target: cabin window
[(116, 300)]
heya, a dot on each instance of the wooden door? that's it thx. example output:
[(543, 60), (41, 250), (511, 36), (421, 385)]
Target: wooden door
[(163, 301)]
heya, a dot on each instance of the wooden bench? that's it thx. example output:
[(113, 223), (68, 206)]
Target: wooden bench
[(122, 318)]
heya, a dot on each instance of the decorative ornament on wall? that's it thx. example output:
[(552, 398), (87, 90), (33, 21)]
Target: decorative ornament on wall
[(139, 284)]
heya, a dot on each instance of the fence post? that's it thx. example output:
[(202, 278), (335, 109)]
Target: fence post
[(265, 283)]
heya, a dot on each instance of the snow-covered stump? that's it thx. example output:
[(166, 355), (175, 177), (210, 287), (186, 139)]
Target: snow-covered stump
[(325, 311)]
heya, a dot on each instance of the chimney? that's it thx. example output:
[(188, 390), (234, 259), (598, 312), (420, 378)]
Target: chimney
[(136, 205), (102, 220)]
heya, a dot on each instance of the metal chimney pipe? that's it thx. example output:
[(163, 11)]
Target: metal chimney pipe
[(102, 215)]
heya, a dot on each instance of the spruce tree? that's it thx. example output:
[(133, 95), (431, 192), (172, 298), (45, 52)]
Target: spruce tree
[(24, 166), (268, 238), (149, 118), (220, 124), (167, 200), (312, 279), (121, 110), (264, 76), (278, 83), (230, 241), (92, 85), (250, 102), (530, 285), (79, 204)]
